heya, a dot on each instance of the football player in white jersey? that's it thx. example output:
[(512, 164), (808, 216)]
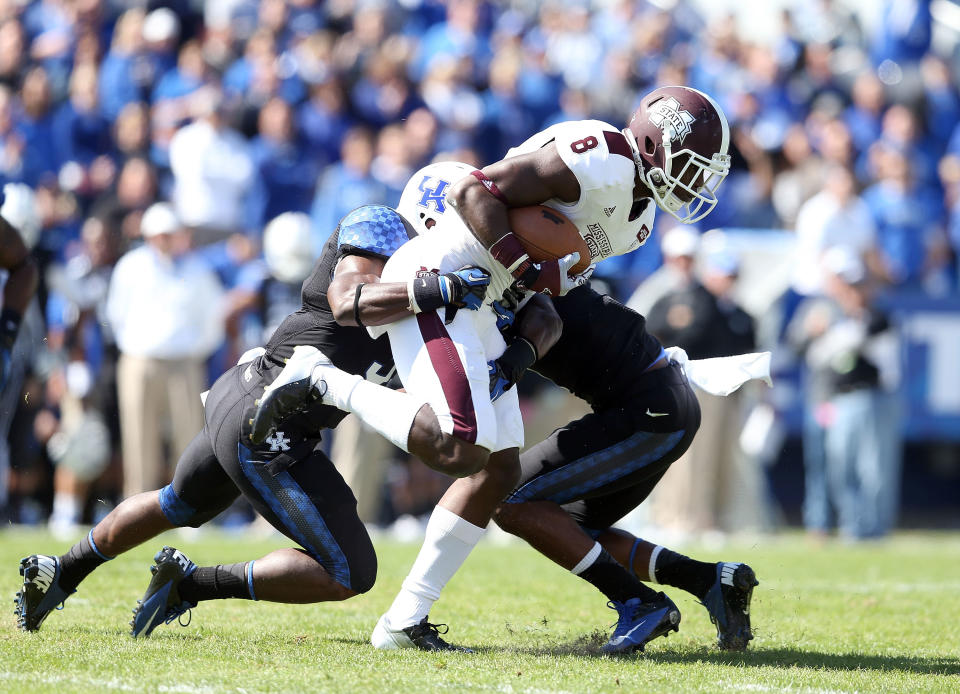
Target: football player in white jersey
[(672, 155)]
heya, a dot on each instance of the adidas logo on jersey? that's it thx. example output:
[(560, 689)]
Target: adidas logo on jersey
[(46, 570), (609, 210)]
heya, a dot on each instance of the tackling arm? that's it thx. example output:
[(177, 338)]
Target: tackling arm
[(537, 329), (358, 297), (378, 303)]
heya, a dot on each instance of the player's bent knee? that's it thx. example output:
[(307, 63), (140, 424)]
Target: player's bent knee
[(180, 513), (507, 516), (503, 471), (363, 582), (466, 459)]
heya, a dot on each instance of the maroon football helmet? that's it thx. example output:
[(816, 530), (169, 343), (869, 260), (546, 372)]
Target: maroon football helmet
[(679, 138)]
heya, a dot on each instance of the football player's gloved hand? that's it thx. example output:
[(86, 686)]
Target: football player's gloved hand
[(506, 370), (552, 277), (463, 288), (499, 383), (505, 316)]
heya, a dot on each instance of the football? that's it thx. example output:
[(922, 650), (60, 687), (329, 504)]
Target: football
[(547, 234)]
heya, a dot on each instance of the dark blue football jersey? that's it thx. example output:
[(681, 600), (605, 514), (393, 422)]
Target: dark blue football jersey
[(372, 230)]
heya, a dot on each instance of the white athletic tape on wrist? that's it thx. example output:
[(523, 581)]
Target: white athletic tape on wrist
[(587, 560)]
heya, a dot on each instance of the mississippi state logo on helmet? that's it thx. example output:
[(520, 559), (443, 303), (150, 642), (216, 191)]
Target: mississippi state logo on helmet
[(679, 138)]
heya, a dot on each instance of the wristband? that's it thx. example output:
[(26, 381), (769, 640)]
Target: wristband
[(517, 358), (9, 325), (425, 295), (356, 306)]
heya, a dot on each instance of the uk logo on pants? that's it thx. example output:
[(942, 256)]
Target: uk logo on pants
[(278, 442)]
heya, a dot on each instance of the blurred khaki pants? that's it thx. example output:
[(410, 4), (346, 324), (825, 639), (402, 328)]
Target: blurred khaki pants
[(362, 456), (713, 486), (158, 398)]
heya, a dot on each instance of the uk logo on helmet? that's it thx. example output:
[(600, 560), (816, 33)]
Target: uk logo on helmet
[(667, 112)]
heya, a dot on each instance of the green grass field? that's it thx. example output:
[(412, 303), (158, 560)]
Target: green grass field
[(873, 618)]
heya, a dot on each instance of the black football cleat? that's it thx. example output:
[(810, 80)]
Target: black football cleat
[(728, 602), (161, 604), (41, 592), (424, 636), (294, 389)]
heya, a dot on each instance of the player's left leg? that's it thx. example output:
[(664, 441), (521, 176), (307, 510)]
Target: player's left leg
[(592, 458), (303, 496), (459, 520), (200, 490), (724, 588), (596, 502), (455, 527)]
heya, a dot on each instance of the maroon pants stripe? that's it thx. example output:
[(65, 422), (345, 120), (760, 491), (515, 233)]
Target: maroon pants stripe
[(450, 371)]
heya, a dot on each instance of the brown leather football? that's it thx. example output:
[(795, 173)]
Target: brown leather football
[(547, 234)]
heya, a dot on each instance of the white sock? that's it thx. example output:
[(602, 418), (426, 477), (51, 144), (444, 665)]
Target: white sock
[(447, 545), (587, 560), (653, 563), (389, 412)]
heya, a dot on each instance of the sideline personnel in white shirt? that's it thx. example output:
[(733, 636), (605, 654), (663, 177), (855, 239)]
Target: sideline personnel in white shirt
[(212, 171), (165, 306)]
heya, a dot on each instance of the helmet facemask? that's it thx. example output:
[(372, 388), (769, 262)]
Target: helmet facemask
[(697, 170), (695, 177)]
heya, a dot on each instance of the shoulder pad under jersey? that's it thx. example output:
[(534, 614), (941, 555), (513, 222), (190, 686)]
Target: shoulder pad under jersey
[(374, 229), (596, 152)]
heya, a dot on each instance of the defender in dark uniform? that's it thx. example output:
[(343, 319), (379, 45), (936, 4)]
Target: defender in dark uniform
[(589, 474), (287, 478)]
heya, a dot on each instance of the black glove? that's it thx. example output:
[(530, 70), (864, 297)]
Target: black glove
[(507, 369)]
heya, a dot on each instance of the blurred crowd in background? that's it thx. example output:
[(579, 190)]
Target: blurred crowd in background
[(235, 113)]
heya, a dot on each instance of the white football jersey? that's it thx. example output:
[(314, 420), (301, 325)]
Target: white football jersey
[(599, 156), (452, 244)]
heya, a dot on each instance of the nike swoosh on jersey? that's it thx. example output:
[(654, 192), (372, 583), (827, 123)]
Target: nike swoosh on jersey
[(656, 414)]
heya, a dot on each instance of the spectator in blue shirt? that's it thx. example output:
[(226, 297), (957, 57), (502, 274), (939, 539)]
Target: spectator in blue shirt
[(82, 131), (865, 115), (383, 94), (121, 73), (906, 214), (286, 174), (459, 36), (324, 120), (507, 122), (347, 184), (258, 75), (37, 128)]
